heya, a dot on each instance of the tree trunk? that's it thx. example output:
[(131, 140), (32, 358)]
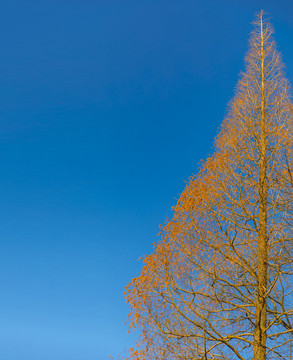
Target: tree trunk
[(259, 351)]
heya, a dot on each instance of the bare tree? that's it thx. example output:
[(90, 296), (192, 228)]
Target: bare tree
[(219, 284)]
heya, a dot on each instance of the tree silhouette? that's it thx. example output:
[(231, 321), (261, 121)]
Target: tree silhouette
[(219, 284)]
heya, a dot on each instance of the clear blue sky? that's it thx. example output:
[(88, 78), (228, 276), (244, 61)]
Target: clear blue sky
[(106, 107)]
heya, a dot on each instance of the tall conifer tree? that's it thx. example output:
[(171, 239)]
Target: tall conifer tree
[(219, 285)]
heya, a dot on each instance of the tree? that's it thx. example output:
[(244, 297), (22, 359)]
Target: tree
[(219, 284)]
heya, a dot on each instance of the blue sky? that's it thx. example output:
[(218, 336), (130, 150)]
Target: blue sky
[(106, 107)]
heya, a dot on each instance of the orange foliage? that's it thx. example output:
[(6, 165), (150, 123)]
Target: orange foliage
[(197, 291)]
